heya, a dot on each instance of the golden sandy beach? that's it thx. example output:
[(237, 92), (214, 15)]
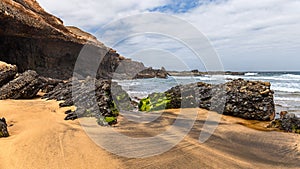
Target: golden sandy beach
[(40, 138)]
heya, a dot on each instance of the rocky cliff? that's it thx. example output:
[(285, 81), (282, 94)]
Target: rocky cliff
[(33, 39)]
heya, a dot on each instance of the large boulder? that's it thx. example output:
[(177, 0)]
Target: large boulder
[(7, 72), (3, 128), (24, 86), (240, 98), (250, 100)]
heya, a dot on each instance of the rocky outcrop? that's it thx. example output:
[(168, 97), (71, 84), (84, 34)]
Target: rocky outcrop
[(240, 98), (24, 86), (33, 39), (250, 100), (288, 122), (3, 128), (48, 84), (101, 99), (7, 72), (151, 73), (127, 69)]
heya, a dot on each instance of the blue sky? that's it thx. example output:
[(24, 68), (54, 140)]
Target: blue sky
[(248, 35), (177, 6)]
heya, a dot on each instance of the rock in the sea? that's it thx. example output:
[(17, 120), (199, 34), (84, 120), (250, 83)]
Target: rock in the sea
[(7, 72), (3, 128), (151, 73), (240, 98), (24, 86), (288, 122)]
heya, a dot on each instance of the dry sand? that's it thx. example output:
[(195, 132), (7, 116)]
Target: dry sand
[(40, 138)]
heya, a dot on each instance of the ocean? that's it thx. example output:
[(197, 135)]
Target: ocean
[(286, 86)]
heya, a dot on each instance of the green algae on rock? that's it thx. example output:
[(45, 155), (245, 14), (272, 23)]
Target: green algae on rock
[(251, 100), (154, 102)]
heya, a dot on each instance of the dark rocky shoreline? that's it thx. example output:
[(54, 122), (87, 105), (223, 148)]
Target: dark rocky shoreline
[(251, 100), (104, 99)]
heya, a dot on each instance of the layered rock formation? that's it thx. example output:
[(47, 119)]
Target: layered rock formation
[(48, 84), (240, 98), (101, 99), (18, 86), (33, 39), (7, 72)]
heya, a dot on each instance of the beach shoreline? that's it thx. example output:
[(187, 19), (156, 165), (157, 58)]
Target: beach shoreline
[(37, 126)]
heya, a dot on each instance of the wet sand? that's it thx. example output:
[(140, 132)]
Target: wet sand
[(40, 138)]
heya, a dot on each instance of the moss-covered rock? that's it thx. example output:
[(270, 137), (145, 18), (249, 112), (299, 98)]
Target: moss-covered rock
[(111, 120), (155, 101), (145, 104)]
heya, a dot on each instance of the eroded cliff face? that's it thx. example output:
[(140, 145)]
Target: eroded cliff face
[(31, 38)]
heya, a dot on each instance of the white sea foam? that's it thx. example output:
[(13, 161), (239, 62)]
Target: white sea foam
[(140, 95), (251, 74), (289, 77), (286, 87), (296, 99)]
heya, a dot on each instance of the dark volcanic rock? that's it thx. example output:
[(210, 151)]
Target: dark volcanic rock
[(128, 69), (3, 128), (240, 98), (7, 72), (250, 100), (288, 122), (48, 84), (101, 99), (24, 86), (151, 73)]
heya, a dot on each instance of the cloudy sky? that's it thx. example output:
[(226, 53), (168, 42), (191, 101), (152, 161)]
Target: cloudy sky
[(248, 35)]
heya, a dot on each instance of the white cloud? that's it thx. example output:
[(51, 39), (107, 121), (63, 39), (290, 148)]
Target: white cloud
[(256, 35), (89, 14)]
